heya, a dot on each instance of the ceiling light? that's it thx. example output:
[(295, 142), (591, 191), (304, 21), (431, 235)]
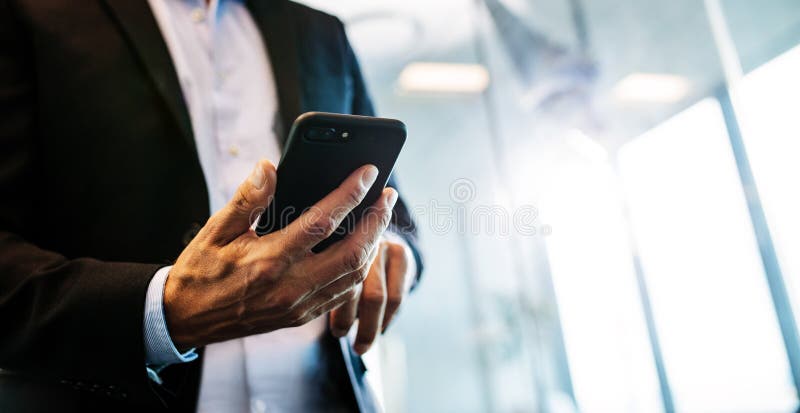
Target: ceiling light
[(428, 77), (652, 87)]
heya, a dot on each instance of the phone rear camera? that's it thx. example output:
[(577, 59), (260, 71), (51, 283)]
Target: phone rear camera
[(320, 134)]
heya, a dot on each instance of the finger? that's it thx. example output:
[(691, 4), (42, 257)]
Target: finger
[(371, 306), (331, 305), (322, 219), (396, 273), (353, 252), (323, 300), (336, 294), (342, 318), (251, 198), (354, 278)]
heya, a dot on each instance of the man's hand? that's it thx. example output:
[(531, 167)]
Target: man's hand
[(230, 283), (388, 281)]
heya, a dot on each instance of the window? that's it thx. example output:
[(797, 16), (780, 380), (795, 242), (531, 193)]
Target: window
[(610, 360), (768, 102), (719, 335)]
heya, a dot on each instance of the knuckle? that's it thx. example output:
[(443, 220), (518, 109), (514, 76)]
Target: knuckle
[(354, 196), (395, 249), (373, 298), (242, 202), (394, 300), (361, 275), (350, 260), (219, 270), (364, 252), (356, 257), (322, 225)]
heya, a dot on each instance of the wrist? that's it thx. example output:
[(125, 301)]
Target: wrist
[(160, 349), (173, 315)]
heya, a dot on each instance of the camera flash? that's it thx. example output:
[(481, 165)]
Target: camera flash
[(345, 134)]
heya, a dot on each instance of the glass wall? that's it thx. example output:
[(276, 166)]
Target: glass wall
[(721, 341), (606, 196), (770, 128)]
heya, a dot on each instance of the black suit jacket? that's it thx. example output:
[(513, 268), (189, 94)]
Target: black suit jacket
[(100, 186)]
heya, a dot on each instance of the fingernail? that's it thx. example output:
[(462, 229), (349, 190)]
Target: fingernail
[(361, 348), (257, 177), (392, 199), (369, 176)]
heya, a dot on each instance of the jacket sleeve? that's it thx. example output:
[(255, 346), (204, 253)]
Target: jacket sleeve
[(402, 220), (75, 321)]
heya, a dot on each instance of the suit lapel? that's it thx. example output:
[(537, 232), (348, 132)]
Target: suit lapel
[(277, 29), (141, 29), (272, 18)]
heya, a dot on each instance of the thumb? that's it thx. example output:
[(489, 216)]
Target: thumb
[(250, 200)]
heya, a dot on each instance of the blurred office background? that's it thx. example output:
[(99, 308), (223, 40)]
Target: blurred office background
[(654, 146)]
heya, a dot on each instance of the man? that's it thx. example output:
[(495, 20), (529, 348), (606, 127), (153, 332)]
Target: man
[(130, 279)]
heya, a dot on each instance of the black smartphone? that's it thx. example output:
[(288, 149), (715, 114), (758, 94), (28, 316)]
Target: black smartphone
[(322, 150)]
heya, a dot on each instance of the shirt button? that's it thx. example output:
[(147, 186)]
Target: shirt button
[(198, 15), (233, 150)]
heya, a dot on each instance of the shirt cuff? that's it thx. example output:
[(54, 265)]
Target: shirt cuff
[(160, 351)]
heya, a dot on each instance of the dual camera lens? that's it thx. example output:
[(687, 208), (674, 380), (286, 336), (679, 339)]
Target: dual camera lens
[(326, 134)]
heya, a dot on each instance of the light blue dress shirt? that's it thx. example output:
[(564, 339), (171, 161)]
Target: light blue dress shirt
[(159, 348), (225, 75), (222, 66), (224, 71)]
